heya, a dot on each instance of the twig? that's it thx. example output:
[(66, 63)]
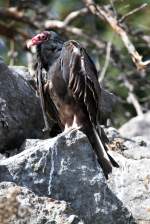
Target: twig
[(12, 54), (106, 64), (132, 12), (132, 96), (56, 24), (74, 15), (11, 13), (135, 103), (105, 14), (113, 7), (11, 32)]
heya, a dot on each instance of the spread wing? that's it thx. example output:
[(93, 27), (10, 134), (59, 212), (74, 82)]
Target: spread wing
[(80, 73)]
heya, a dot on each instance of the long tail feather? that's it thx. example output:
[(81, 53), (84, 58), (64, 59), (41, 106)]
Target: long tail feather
[(98, 143)]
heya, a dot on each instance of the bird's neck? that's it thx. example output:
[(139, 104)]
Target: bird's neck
[(48, 58)]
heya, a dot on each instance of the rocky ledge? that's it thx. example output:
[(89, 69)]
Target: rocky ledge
[(58, 180), (64, 168)]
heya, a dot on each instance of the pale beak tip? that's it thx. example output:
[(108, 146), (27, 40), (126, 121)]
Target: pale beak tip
[(29, 43)]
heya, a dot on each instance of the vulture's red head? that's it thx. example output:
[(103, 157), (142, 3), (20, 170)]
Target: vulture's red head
[(39, 38), (49, 45)]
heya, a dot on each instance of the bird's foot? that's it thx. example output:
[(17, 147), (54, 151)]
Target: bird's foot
[(75, 125), (71, 128)]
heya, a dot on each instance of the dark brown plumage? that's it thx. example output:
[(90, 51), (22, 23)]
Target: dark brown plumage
[(72, 92)]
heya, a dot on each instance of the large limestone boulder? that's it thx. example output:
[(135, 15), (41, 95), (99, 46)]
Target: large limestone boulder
[(65, 168), (58, 179), (131, 182)]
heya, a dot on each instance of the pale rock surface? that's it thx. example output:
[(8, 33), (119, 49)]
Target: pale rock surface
[(65, 168), (137, 126)]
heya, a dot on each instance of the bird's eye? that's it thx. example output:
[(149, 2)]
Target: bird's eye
[(43, 37)]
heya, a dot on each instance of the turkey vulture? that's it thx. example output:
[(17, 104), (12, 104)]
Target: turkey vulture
[(71, 93)]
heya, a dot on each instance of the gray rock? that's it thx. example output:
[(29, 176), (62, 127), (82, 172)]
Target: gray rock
[(112, 133), (20, 112), (20, 205), (2, 156), (131, 182), (24, 73), (137, 126), (65, 168)]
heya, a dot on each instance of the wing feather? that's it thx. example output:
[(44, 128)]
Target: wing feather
[(82, 81)]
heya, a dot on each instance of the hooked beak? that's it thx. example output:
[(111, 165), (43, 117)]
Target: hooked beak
[(29, 43), (34, 41), (39, 38)]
